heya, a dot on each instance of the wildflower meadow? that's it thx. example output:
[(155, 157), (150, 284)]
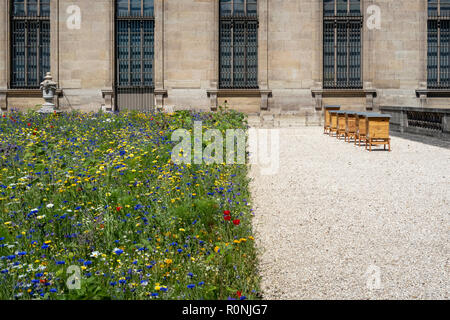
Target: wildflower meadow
[(93, 207)]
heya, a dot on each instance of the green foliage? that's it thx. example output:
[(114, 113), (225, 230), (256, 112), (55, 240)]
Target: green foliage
[(100, 192)]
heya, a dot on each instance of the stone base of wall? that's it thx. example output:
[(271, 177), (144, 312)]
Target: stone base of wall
[(82, 100), (24, 104)]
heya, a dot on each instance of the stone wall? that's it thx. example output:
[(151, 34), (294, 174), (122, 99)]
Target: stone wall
[(3, 53), (186, 56)]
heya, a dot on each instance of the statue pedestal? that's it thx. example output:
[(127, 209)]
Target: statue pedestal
[(48, 108)]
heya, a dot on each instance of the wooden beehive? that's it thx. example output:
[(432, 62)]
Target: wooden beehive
[(333, 121), (360, 127), (327, 120), (350, 125), (341, 126), (377, 130)]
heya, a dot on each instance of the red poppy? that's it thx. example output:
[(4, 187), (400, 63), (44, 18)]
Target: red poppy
[(43, 281), (227, 218), (227, 212), (29, 124), (236, 222), (239, 294), (118, 209)]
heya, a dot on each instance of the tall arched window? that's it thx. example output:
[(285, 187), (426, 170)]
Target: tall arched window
[(30, 42), (342, 25), (438, 68), (238, 44), (135, 26)]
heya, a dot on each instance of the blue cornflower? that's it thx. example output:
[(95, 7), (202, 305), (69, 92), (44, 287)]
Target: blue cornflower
[(191, 286), (118, 251), (201, 283), (60, 262), (53, 290)]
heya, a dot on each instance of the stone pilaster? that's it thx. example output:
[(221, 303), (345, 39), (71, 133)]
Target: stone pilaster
[(265, 99), (263, 55), (108, 95), (3, 101), (212, 94), (160, 93)]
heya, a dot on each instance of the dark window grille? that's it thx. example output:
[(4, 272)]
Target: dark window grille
[(438, 65), (135, 38), (238, 37), (342, 25), (30, 42), (135, 31)]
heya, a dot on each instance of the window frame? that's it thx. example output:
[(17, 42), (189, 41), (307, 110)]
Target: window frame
[(441, 82), (233, 19), (348, 19), (140, 19), (27, 19)]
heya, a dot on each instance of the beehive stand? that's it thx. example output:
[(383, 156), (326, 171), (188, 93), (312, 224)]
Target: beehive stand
[(350, 126), (333, 122), (377, 130), (327, 120), (341, 126), (360, 128)]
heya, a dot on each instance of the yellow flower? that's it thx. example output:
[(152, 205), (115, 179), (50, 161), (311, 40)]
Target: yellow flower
[(168, 261), (217, 249)]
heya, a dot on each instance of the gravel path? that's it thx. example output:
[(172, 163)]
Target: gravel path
[(335, 216)]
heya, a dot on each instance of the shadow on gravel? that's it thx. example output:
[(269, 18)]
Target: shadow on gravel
[(423, 139)]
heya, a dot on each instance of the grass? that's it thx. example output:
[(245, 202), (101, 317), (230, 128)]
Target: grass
[(96, 198)]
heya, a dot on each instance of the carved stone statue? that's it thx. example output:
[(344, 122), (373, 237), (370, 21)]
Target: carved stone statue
[(48, 87)]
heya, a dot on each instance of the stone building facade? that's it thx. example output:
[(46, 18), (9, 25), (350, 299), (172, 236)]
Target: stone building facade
[(393, 66)]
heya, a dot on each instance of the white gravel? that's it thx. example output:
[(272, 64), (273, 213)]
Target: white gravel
[(335, 211)]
